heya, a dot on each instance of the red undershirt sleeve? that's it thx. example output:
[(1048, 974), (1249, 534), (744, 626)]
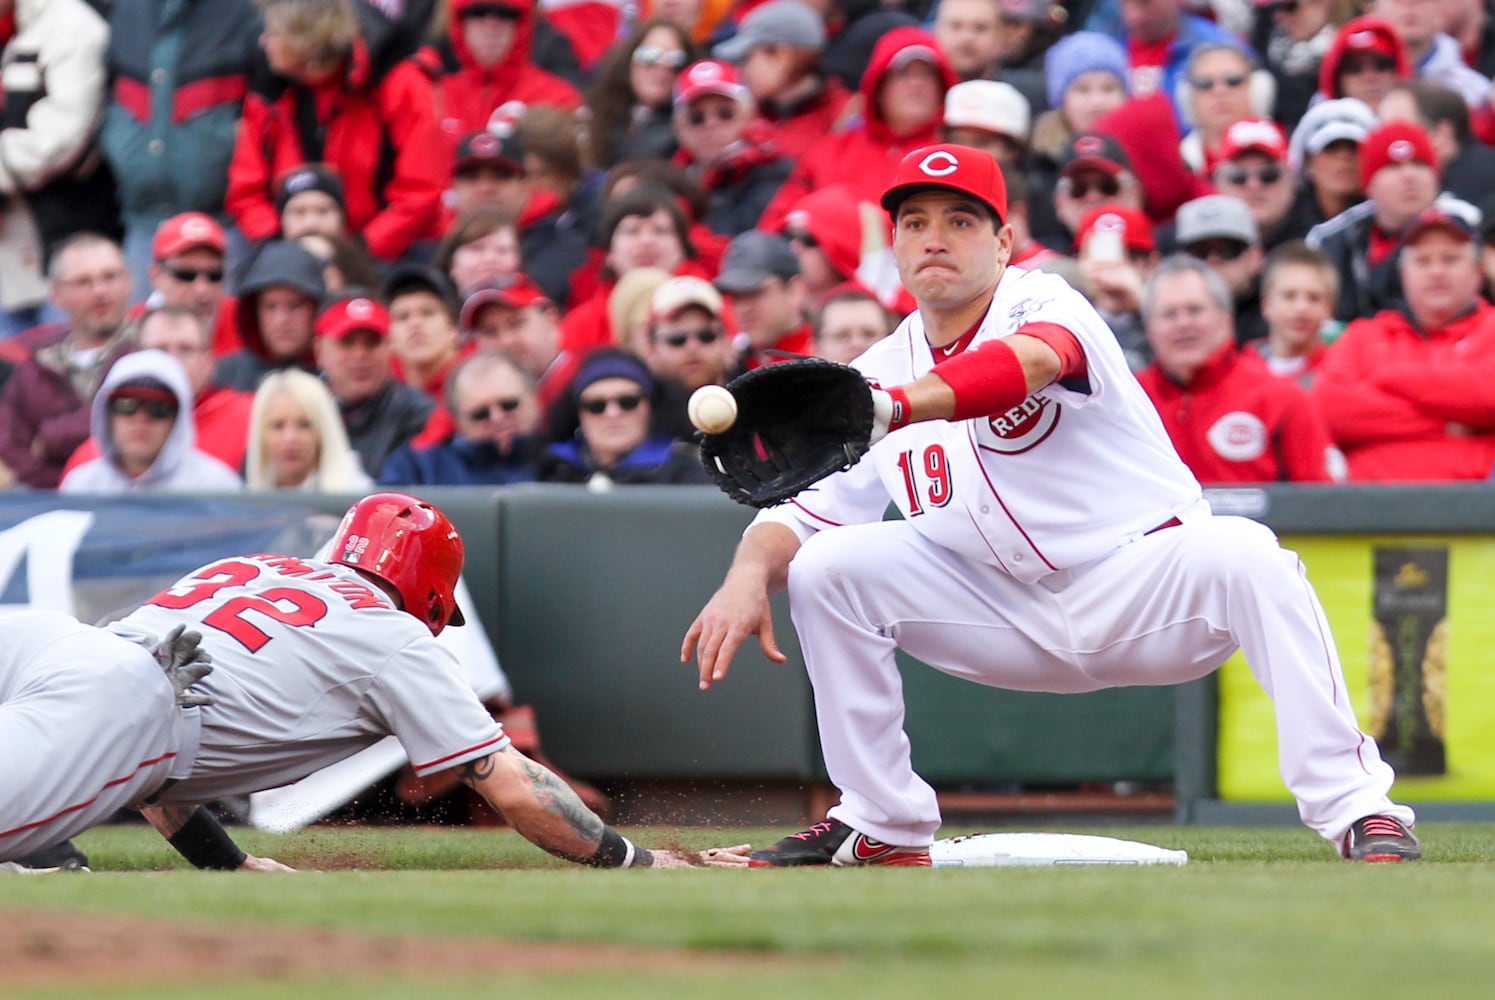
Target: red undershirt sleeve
[(990, 378)]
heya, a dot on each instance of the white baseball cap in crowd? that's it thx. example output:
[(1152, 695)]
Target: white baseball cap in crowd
[(1329, 122), (991, 106), (683, 291)]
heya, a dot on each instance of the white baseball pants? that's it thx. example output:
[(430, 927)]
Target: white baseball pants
[(1168, 608), (88, 726)]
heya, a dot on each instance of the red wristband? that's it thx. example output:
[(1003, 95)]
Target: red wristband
[(987, 380), (902, 411)]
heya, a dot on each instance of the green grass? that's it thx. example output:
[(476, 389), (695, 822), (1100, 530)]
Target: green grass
[(1256, 912)]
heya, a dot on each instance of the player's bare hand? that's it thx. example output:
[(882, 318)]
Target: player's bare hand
[(254, 864), (738, 610), (713, 857)]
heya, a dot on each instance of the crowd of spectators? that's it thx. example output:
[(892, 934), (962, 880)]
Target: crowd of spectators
[(321, 244)]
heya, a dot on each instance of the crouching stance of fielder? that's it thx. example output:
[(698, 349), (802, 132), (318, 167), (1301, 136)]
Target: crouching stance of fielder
[(301, 664), (1051, 540)]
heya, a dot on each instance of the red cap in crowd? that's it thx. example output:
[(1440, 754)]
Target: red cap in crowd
[(347, 316), (1395, 142), (709, 76), (1435, 218), (1132, 223), (515, 291), (187, 231), (1254, 135), (948, 167)]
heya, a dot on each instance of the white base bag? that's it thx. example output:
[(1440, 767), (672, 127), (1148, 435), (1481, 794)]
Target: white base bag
[(1005, 850)]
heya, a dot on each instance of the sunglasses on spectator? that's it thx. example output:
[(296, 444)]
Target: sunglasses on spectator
[(1107, 185), (653, 55), (699, 116), (1367, 64), (128, 406), (1241, 176), (483, 413), (597, 407), (490, 10), (804, 239), (1286, 7), (1208, 83), (1218, 249), (187, 275), (705, 336)]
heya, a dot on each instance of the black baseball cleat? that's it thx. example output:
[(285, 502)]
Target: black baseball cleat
[(1380, 839), (832, 842), (63, 857)]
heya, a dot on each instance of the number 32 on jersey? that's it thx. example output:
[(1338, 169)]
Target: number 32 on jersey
[(287, 605)]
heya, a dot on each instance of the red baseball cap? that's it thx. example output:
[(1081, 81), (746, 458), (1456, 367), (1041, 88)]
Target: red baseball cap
[(514, 291), (1133, 225), (187, 231), (709, 76), (347, 316), (1396, 142), (1254, 135), (949, 167), (1436, 218)]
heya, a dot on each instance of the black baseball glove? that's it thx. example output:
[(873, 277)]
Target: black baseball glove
[(797, 422)]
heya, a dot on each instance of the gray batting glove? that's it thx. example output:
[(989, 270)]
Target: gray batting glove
[(185, 664)]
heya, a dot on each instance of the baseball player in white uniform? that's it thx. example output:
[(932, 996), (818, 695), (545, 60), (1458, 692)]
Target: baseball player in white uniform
[(310, 663), (1051, 540)]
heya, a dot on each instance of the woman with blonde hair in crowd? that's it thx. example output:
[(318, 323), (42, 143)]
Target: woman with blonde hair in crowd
[(297, 440), (628, 307)]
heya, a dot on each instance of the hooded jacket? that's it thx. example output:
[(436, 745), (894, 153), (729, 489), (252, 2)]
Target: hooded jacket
[(467, 94), (275, 264), (180, 467), (375, 124), (1329, 68), (866, 155)]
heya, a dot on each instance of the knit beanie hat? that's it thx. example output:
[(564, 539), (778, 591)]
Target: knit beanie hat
[(1079, 53)]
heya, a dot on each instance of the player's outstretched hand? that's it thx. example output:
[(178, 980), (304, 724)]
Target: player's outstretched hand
[(254, 864), (714, 857), (185, 663), (737, 610)]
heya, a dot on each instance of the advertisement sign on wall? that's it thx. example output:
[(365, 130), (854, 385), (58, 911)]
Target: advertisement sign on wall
[(1414, 620)]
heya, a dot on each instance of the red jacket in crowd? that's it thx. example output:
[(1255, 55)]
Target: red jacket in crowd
[(1409, 404), (866, 155), (1236, 422), (378, 131), (467, 94)]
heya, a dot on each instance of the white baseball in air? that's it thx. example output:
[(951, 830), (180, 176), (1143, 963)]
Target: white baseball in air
[(712, 409)]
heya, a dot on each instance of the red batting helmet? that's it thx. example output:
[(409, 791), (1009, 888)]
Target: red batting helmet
[(410, 545)]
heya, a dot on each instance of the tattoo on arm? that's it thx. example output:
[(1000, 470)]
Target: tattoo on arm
[(558, 799), (555, 799), (476, 770)]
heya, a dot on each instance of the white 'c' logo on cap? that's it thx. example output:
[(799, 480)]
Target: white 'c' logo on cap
[(1401, 150), (939, 164), (360, 308)]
